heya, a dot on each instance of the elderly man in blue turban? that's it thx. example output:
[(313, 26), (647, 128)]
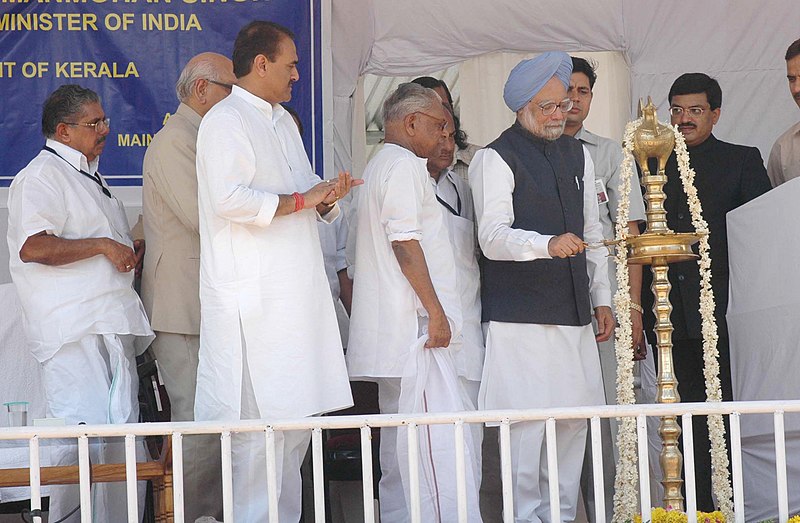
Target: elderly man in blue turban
[(537, 214)]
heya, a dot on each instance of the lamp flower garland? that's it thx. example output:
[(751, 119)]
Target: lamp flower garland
[(627, 480), (625, 496), (720, 475)]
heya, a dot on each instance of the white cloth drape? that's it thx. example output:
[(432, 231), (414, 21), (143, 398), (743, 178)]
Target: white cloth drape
[(20, 380), (430, 384), (765, 337)]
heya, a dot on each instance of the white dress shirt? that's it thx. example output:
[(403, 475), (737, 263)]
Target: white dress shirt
[(396, 203), (62, 304)]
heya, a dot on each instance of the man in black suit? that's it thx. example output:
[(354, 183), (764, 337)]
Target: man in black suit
[(727, 176)]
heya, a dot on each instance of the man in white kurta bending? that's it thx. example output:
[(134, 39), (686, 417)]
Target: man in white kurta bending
[(72, 261), (269, 344), (536, 211), (404, 282), (170, 278)]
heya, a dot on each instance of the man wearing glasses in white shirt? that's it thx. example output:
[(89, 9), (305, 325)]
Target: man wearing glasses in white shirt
[(73, 263)]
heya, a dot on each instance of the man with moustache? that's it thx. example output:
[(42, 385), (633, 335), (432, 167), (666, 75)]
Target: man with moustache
[(727, 176), (784, 159), (464, 150), (404, 284), (537, 211), (269, 342), (73, 261), (170, 287)]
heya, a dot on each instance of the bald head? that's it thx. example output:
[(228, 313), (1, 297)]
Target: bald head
[(204, 81)]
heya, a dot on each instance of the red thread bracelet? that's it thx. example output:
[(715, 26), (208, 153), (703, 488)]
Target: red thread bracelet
[(299, 201)]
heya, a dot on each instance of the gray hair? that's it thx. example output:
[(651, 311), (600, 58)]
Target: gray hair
[(196, 69), (409, 98), (65, 102)]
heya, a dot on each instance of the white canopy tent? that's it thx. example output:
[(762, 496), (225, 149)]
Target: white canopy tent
[(739, 42)]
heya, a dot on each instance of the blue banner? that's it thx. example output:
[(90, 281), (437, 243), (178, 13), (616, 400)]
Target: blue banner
[(131, 52)]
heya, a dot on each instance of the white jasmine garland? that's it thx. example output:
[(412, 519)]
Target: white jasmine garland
[(720, 474), (627, 479)]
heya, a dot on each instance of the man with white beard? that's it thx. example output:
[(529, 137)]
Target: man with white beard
[(535, 219)]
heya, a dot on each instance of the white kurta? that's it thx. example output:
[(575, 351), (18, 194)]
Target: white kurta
[(333, 239), (396, 203), (262, 280), (468, 351), (65, 303)]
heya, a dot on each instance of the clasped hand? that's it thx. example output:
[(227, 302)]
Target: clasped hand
[(330, 191)]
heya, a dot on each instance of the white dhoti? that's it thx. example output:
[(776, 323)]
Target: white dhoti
[(531, 366), (93, 381), (390, 488), (394, 505)]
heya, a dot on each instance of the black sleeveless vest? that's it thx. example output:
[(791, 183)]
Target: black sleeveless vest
[(547, 198)]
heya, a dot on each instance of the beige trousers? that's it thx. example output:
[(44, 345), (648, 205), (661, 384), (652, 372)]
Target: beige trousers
[(202, 477)]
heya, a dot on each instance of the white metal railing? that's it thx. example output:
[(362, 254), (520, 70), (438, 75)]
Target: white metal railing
[(316, 425)]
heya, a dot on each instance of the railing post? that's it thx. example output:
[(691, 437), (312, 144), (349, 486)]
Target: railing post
[(366, 474), (130, 478), (597, 470), (177, 477), (736, 455), (644, 467), (319, 479), (505, 471), (272, 476), (227, 476), (688, 468), (461, 472), (36, 478), (780, 468), (413, 472), (552, 469), (85, 471)]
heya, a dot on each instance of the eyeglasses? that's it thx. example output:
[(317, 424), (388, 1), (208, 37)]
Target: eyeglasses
[(549, 108), (694, 111), (99, 126), (229, 87), (441, 123)]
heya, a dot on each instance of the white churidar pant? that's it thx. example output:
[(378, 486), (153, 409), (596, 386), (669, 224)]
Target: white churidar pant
[(249, 458), (530, 366)]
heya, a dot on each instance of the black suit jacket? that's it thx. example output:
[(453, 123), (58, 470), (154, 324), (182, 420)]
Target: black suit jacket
[(727, 176)]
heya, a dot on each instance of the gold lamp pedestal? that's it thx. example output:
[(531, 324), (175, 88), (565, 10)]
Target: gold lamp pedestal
[(659, 246)]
